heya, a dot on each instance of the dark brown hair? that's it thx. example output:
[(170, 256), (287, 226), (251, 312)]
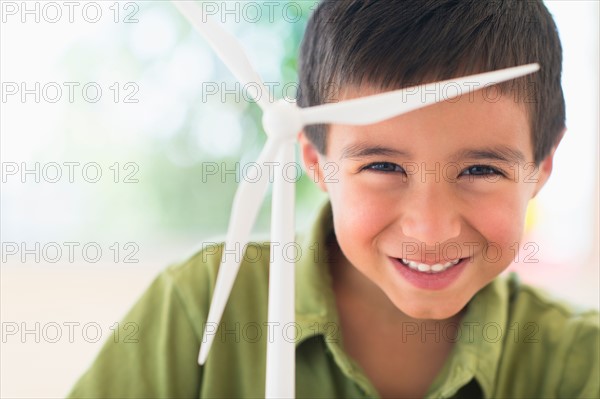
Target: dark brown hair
[(392, 44)]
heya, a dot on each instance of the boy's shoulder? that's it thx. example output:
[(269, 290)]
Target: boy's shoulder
[(195, 278), (546, 342), (528, 303)]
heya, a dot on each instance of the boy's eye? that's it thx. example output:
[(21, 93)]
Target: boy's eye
[(386, 167), (481, 170)]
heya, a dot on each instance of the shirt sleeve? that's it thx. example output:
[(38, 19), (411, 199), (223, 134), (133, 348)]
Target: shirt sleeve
[(581, 369), (155, 355)]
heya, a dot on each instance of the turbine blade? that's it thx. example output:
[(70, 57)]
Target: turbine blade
[(246, 205), (228, 49), (379, 107)]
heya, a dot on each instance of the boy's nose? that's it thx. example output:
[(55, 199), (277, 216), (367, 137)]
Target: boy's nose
[(429, 215)]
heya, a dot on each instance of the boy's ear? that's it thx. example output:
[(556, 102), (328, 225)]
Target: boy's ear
[(545, 167), (311, 161)]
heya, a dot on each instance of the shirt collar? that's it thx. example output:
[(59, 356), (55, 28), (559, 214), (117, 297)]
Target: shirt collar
[(482, 330), (480, 343)]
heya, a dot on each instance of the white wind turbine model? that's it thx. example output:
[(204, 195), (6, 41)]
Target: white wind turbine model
[(282, 121)]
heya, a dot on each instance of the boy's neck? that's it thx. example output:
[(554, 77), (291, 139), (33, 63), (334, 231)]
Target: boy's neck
[(373, 332)]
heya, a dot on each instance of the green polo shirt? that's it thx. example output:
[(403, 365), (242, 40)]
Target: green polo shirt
[(513, 341)]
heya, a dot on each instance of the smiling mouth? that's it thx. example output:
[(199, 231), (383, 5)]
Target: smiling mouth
[(429, 269)]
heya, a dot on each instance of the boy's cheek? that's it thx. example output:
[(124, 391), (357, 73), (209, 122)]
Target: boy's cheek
[(361, 223), (501, 227), (361, 212)]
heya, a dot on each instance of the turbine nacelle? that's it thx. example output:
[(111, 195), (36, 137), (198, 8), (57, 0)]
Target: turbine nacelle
[(282, 120)]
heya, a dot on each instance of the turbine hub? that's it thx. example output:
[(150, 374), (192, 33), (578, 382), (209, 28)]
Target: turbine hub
[(282, 120)]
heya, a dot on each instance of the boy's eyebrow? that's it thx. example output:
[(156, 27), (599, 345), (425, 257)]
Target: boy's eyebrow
[(497, 153), (363, 150)]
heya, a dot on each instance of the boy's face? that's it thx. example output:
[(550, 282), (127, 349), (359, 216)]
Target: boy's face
[(446, 183)]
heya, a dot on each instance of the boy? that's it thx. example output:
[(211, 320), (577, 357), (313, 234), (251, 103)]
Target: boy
[(398, 293)]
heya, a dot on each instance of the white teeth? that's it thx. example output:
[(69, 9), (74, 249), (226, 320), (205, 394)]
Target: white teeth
[(425, 268), (437, 267)]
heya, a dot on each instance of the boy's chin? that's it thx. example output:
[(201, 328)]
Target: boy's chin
[(437, 311)]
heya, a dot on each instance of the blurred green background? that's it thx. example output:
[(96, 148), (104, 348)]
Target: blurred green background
[(165, 130)]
